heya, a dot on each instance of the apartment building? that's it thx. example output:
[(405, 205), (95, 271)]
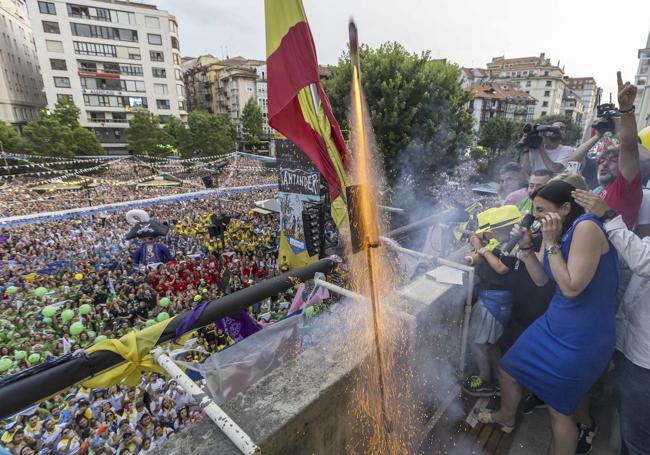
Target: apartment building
[(111, 58), (21, 86), (642, 81), (589, 92), (500, 100)]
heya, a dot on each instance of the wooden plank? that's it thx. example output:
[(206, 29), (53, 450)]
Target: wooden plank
[(504, 444), (493, 443), (485, 434)]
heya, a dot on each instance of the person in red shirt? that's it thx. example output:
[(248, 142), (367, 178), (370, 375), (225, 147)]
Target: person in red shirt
[(619, 171)]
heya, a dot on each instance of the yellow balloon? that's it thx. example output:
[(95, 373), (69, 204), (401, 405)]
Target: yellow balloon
[(644, 134)]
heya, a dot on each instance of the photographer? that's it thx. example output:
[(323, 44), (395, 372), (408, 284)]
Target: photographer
[(551, 154)]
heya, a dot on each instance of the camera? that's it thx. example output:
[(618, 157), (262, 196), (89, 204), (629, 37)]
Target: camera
[(605, 113), (534, 136)]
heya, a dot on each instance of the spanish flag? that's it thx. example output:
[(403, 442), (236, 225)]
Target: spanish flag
[(298, 106)]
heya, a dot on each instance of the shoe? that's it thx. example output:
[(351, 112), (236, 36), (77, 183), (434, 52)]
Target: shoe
[(477, 387), (586, 437), (485, 416), (530, 403)]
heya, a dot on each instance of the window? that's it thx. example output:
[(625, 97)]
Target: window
[(58, 64), (135, 101), (173, 27), (545, 104), (61, 96), (62, 82), (46, 8), (123, 17), (181, 105), (543, 113), (156, 56), (528, 83), (51, 27), (549, 83), (180, 90), (176, 58), (99, 50), (159, 72), (152, 22), (175, 43), (132, 86), (154, 39), (547, 93), (163, 104), (53, 46), (160, 89), (545, 73), (163, 118), (179, 74), (100, 31), (131, 70)]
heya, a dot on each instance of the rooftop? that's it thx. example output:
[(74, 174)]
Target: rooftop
[(501, 92)]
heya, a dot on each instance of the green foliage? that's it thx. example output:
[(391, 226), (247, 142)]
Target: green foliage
[(573, 130), (67, 113), (47, 136), (11, 140), (252, 123), (175, 129), (499, 134), (85, 143), (144, 134), (207, 135), (417, 109)]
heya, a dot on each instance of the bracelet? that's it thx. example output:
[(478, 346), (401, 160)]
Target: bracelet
[(627, 111)]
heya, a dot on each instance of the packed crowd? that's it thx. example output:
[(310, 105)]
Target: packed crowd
[(69, 284), (569, 303), (118, 181)]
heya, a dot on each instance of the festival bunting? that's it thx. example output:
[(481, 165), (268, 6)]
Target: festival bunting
[(298, 105)]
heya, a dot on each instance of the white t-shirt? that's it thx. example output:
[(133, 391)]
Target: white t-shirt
[(560, 155), (644, 211)]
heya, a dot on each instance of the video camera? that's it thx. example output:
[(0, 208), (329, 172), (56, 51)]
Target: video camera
[(534, 136), (606, 113)]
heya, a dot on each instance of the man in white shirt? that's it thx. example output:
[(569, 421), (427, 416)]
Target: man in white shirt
[(632, 357)]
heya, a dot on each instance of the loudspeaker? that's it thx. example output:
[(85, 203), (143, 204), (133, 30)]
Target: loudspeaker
[(207, 181)]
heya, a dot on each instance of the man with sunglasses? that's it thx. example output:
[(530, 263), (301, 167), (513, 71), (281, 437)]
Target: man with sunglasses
[(619, 171)]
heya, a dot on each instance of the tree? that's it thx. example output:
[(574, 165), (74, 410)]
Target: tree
[(175, 129), (144, 134), (573, 130), (11, 140), (85, 142), (67, 113), (417, 109), (208, 135), (252, 123), (499, 134), (48, 137)]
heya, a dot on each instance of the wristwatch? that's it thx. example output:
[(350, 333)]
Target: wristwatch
[(553, 249), (608, 215)]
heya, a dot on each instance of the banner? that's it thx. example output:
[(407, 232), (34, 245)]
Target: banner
[(299, 184)]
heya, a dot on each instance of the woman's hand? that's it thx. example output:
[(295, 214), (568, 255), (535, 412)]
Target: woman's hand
[(552, 229), (591, 202), (476, 242), (526, 239)]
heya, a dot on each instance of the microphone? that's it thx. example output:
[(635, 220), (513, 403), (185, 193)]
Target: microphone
[(526, 222)]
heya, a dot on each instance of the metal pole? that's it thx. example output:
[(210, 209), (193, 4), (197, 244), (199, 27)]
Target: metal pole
[(337, 289), (229, 427)]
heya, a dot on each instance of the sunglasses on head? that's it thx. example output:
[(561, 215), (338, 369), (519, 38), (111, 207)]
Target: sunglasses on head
[(607, 159)]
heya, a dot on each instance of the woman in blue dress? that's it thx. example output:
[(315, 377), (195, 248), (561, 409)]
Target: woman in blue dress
[(562, 354)]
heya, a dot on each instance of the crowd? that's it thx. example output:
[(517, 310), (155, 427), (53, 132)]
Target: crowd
[(118, 181), (69, 284), (569, 303)]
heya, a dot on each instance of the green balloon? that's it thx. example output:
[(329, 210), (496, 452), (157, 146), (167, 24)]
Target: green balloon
[(309, 311), (162, 316), (150, 322), (101, 338), (20, 355), (47, 320), (85, 309), (164, 302), (34, 358), (92, 334), (76, 328), (12, 290), (40, 292), (48, 311), (5, 364), (67, 315)]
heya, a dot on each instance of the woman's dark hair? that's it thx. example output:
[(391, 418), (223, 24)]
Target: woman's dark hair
[(558, 193)]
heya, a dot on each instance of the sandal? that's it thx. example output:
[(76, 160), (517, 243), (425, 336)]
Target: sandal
[(485, 416)]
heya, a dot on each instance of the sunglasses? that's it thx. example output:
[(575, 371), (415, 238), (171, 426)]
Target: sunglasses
[(607, 159)]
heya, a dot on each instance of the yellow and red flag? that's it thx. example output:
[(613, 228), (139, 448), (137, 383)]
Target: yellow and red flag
[(298, 106)]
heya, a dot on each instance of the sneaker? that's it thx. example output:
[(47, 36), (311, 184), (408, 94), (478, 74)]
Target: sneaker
[(530, 403), (477, 387), (586, 437)]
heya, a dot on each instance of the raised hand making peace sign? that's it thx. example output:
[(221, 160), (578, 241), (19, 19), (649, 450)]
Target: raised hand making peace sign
[(626, 94)]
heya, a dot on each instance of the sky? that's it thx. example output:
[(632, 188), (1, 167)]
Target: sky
[(588, 37)]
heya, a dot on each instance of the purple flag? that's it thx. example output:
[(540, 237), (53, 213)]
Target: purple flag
[(190, 319), (239, 325)]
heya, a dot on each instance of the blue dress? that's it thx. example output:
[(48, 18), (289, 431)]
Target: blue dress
[(562, 354)]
